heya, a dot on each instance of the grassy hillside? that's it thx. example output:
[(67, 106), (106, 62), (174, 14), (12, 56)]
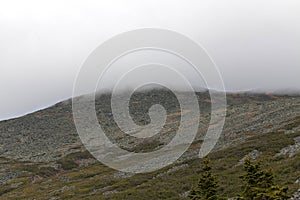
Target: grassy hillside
[(266, 125), (79, 177)]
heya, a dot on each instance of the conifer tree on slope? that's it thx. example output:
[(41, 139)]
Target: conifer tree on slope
[(206, 188), (259, 184)]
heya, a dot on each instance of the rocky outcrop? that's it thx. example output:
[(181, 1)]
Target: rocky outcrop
[(296, 196), (292, 149), (253, 155)]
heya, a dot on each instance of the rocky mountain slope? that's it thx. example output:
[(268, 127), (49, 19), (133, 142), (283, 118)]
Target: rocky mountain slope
[(41, 156)]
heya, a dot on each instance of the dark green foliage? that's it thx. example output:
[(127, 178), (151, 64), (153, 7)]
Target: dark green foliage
[(256, 180), (259, 184), (4, 190), (67, 164), (80, 155), (46, 171), (275, 193), (206, 188), (295, 123)]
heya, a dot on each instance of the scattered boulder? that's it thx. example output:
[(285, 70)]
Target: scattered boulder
[(291, 150), (253, 155), (120, 174), (184, 195), (7, 176), (65, 188), (110, 192), (296, 195)]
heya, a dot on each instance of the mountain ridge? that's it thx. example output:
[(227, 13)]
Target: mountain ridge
[(37, 149)]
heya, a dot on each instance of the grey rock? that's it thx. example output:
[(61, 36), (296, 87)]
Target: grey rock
[(296, 195), (292, 149), (253, 155)]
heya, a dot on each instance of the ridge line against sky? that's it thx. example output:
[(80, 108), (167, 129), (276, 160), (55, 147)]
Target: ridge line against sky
[(255, 43)]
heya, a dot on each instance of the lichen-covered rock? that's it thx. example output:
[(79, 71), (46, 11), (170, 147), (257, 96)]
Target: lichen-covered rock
[(296, 195), (292, 149), (253, 155)]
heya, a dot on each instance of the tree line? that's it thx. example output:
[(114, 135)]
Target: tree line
[(258, 184)]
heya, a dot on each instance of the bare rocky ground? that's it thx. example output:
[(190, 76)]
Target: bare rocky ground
[(48, 134), (46, 144)]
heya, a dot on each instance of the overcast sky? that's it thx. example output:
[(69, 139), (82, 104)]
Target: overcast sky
[(255, 43)]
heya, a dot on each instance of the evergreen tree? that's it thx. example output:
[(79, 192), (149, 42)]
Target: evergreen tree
[(259, 184), (206, 188)]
